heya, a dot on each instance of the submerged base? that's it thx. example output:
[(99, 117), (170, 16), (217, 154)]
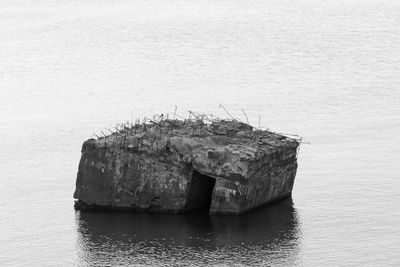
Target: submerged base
[(80, 205)]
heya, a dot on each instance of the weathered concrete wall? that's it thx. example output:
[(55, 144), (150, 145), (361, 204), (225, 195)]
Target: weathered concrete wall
[(271, 179), (152, 168), (117, 180)]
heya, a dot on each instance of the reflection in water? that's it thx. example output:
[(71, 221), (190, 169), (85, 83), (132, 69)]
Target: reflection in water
[(268, 236)]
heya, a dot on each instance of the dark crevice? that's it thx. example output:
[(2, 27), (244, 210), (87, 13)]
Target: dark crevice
[(200, 193)]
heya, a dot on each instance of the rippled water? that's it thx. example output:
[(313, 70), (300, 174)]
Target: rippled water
[(327, 70), (256, 238)]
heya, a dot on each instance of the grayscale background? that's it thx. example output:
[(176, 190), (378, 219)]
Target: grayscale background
[(326, 70)]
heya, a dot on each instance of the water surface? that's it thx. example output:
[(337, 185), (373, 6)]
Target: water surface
[(327, 70)]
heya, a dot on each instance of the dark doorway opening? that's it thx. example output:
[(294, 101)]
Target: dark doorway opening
[(200, 192)]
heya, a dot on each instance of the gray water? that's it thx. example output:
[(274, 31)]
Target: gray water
[(326, 70)]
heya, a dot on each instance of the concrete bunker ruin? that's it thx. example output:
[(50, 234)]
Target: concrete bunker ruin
[(216, 167)]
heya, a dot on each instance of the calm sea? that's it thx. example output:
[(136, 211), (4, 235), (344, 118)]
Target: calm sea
[(326, 70)]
